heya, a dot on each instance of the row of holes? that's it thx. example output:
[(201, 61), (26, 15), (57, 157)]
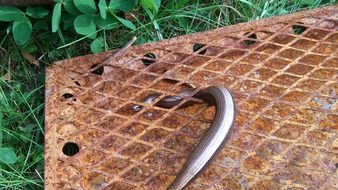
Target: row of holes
[(151, 60), (150, 57), (297, 29)]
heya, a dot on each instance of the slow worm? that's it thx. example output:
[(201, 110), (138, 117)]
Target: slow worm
[(213, 139)]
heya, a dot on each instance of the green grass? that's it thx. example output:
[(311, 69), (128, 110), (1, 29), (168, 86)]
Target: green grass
[(21, 97), (21, 124)]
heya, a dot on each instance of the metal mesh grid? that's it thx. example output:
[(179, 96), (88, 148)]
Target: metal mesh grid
[(283, 75)]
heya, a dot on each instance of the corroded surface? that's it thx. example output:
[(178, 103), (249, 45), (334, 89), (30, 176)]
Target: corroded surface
[(284, 84)]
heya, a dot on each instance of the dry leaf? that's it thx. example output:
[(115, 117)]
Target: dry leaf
[(6, 77), (29, 57)]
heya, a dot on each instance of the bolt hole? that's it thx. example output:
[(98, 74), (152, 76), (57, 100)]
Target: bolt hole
[(148, 62), (77, 83), (137, 108), (298, 29), (70, 149), (249, 41), (197, 47), (97, 71), (67, 95)]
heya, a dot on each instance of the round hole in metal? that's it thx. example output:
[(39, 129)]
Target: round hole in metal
[(197, 47), (77, 83), (298, 29), (137, 108), (149, 61), (249, 41), (97, 71), (67, 95), (70, 149)]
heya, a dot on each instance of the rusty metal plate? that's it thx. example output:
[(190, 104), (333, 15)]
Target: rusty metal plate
[(282, 72)]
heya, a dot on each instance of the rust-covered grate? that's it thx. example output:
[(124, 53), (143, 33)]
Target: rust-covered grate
[(282, 72)]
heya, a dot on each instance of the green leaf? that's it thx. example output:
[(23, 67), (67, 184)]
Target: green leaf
[(103, 8), (31, 48), (122, 5), (177, 4), (125, 22), (40, 25), (68, 21), (151, 4), (84, 25), (1, 138), (7, 156), (85, 6), (183, 22), (109, 23), (283, 11), (307, 2), (22, 30), (9, 13), (36, 12), (56, 17), (70, 7), (97, 45), (1, 135)]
